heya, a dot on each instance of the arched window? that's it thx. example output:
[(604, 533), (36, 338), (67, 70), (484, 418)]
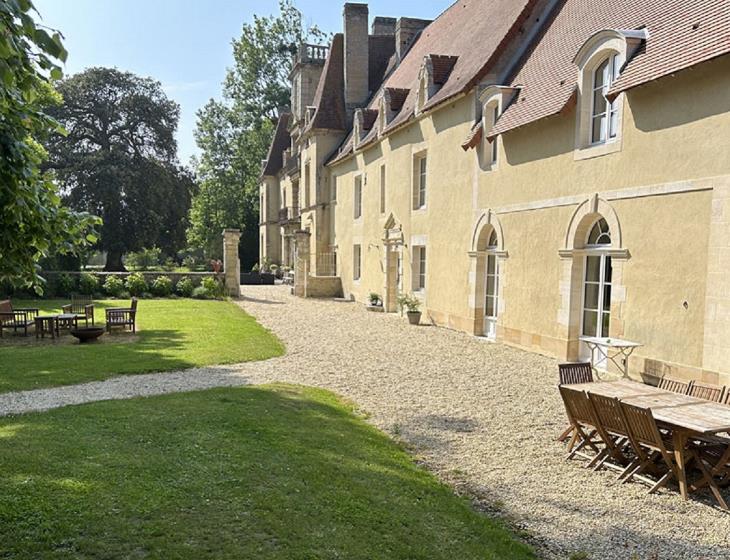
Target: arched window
[(599, 234), (597, 283), (491, 289), (604, 114)]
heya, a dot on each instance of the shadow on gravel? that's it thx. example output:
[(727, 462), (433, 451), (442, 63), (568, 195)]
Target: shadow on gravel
[(261, 301)]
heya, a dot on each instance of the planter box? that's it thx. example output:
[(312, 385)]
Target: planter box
[(256, 278)]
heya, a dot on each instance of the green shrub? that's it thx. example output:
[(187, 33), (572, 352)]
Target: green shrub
[(114, 286), (144, 259), (200, 293), (185, 287), (88, 284), (65, 285), (162, 286), (136, 284), (212, 287)]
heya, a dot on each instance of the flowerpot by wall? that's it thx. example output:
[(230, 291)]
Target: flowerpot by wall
[(414, 317), (375, 308)]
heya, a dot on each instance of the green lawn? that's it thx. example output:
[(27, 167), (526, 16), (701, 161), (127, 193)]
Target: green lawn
[(174, 334), (275, 472)]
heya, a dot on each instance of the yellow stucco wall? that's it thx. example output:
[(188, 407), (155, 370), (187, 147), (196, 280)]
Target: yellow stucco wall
[(675, 148)]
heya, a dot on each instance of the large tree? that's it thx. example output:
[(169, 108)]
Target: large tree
[(119, 160), (234, 133), (33, 222)]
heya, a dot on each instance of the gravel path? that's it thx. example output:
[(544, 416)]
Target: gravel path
[(483, 416)]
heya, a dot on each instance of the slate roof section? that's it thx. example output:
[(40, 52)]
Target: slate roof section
[(329, 98), (474, 31), (281, 141), (548, 76), (380, 50), (442, 66)]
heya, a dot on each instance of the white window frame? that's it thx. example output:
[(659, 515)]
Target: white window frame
[(419, 268), (609, 130), (420, 181), (356, 262), (599, 251), (357, 197), (490, 320)]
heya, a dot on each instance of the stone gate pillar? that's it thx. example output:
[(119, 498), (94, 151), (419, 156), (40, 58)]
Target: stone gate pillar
[(301, 266), (231, 262)]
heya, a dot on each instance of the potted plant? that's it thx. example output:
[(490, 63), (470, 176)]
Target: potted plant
[(412, 305), (376, 304)]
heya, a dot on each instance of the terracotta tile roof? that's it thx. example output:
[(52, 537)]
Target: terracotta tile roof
[(329, 99), (471, 30), (397, 98), (474, 138), (442, 66), (683, 35), (280, 142), (368, 118), (548, 76)]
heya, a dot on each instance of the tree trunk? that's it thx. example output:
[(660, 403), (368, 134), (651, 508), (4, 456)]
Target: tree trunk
[(114, 261)]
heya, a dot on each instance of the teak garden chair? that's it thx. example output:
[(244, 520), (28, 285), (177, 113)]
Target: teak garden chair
[(714, 463), (16, 319), (668, 384), (570, 373), (122, 317), (82, 307), (613, 432), (649, 445), (706, 391), (580, 415)]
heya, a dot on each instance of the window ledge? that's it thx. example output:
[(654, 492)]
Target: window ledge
[(597, 150), (614, 253)]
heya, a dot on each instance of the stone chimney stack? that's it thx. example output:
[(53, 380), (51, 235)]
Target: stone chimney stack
[(383, 26), (356, 55), (405, 32)]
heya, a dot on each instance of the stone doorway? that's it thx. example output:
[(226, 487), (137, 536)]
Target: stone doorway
[(393, 265)]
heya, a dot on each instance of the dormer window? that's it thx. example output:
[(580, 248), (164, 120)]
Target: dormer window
[(599, 61), (604, 116), (434, 73)]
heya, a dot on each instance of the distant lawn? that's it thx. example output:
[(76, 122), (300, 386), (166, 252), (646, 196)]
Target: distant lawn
[(264, 473), (173, 334)]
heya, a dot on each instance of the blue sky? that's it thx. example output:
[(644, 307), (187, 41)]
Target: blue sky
[(185, 44)]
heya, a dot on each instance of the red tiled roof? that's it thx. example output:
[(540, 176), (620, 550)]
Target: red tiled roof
[(471, 30), (280, 142), (329, 99), (474, 138), (442, 66), (549, 77), (397, 98)]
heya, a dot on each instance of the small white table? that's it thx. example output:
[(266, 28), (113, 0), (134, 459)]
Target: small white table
[(608, 348)]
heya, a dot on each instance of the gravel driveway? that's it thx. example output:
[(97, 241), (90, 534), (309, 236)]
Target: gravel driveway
[(483, 416)]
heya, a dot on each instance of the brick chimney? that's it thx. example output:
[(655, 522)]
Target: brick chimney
[(383, 26), (405, 32), (356, 55)]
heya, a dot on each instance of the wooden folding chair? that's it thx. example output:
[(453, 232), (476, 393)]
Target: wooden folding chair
[(580, 415), (726, 398), (613, 432), (570, 373), (714, 393), (713, 461), (578, 372), (673, 385), (649, 445)]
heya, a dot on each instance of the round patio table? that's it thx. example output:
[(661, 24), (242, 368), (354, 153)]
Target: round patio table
[(46, 324)]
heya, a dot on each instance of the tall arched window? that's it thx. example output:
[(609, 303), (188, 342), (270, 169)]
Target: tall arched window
[(491, 296), (597, 283), (604, 114)]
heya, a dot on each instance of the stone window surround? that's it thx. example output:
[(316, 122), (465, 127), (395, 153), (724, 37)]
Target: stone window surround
[(418, 151), (491, 96), (592, 53), (418, 241), (361, 176), (486, 222)]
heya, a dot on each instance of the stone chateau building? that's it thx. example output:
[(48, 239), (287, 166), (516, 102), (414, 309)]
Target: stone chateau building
[(534, 171)]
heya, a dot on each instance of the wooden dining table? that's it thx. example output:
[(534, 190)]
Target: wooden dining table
[(684, 415)]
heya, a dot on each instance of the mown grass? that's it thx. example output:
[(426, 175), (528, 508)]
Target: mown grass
[(276, 472), (173, 334)]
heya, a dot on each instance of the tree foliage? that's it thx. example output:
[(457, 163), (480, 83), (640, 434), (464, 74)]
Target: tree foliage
[(234, 133), (119, 160), (33, 222)]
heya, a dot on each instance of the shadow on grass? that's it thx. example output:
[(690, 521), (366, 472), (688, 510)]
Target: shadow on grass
[(268, 473), (31, 366)]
